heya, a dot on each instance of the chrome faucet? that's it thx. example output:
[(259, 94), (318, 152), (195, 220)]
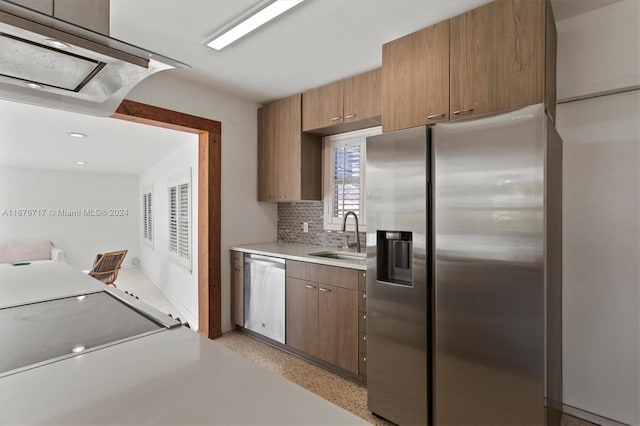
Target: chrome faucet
[(344, 228)]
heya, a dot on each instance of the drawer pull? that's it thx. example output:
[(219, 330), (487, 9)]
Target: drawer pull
[(351, 115), (309, 286), (462, 111), (431, 117), (325, 289), (283, 196), (336, 118)]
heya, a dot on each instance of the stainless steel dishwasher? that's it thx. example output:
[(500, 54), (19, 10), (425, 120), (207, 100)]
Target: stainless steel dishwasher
[(264, 297)]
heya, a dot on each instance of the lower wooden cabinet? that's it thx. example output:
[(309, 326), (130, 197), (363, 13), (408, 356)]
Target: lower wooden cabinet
[(322, 317), (302, 315), (338, 326), (237, 287)]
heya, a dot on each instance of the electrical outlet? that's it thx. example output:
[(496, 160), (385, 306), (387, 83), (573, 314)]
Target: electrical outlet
[(305, 227)]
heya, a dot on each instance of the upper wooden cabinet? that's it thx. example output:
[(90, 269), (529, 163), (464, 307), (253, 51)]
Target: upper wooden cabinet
[(322, 107), (349, 104), (415, 79), (362, 97), (499, 55), (493, 58), (289, 162)]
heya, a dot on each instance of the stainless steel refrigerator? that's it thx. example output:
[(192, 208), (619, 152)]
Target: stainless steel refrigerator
[(464, 271)]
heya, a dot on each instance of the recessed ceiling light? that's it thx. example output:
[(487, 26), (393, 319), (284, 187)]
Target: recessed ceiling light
[(34, 85), (57, 44), (77, 135), (257, 16), (81, 163), (77, 349)]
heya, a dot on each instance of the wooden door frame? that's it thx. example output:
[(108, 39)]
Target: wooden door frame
[(209, 204)]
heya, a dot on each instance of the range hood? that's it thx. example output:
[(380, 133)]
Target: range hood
[(50, 62)]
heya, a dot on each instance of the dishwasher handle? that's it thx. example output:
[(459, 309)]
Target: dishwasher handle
[(273, 262)]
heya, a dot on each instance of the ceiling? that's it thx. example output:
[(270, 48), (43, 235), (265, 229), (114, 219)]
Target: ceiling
[(36, 137), (317, 42)]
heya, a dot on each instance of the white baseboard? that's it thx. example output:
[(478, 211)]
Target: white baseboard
[(185, 313), (590, 417)]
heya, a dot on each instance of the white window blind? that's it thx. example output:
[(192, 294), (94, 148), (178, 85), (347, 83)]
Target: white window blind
[(180, 220), (147, 216), (344, 177)]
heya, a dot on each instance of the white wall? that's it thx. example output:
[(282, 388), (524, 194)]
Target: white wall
[(599, 51), (177, 283), (244, 220), (81, 237), (601, 252)]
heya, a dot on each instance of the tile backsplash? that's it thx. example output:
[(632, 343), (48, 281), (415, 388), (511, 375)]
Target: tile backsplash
[(291, 217)]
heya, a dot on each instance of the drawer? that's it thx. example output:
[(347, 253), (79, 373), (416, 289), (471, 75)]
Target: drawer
[(362, 322), (362, 342), (362, 280), (323, 274), (237, 260), (362, 364), (362, 301)]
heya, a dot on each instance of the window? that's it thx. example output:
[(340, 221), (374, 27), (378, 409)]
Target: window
[(147, 216), (180, 219), (344, 177)]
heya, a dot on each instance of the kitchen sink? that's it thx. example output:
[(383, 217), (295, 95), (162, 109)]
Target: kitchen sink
[(342, 255)]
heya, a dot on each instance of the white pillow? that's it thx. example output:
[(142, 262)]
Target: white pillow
[(19, 252)]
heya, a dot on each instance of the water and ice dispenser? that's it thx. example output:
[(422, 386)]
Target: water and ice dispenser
[(395, 257)]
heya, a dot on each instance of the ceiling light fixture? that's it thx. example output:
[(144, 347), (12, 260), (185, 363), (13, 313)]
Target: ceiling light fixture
[(255, 17), (78, 349), (81, 163), (57, 44), (34, 85), (77, 135)]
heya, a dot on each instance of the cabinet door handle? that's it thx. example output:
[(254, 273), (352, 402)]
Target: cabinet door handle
[(364, 295), (336, 118), (364, 316), (462, 111), (364, 359), (364, 337), (325, 289), (364, 274), (283, 196), (431, 117), (309, 286), (351, 115)]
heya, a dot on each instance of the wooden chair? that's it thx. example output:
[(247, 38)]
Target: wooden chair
[(107, 265)]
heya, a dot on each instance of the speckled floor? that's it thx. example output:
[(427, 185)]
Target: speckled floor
[(340, 391)]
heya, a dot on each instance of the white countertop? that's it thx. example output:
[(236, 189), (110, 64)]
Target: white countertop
[(172, 377), (300, 252)]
